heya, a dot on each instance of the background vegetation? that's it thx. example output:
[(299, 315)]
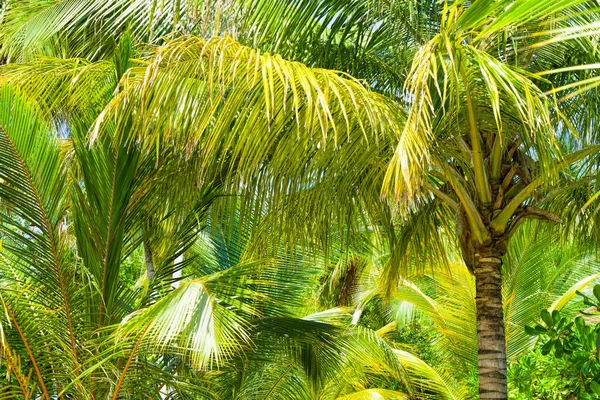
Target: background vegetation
[(298, 199)]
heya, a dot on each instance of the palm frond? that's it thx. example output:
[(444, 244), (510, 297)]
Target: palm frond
[(34, 192)]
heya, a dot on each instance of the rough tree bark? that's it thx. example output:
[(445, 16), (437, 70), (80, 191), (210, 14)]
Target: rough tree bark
[(491, 355), (345, 295)]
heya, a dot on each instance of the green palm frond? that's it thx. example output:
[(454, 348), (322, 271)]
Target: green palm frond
[(372, 41), (540, 273), (106, 213), (235, 80), (91, 29), (192, 322), (34, 192), (441, 383), (375, 394), (328, 353), (423, 240)]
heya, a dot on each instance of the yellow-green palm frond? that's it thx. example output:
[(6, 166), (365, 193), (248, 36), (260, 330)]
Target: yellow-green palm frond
[(433, 380), (375, 394), (91, 29), (218, 85), (451, 310), (265, 126), (456, 88), (38, 266), (63, 85)]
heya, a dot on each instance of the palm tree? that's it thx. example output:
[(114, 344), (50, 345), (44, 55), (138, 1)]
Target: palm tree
[(76, 194), (483, 136), (540, 274), (72, 328), (486, 131)]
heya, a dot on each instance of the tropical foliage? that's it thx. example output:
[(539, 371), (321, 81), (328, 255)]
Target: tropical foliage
[(567, 364), (299, 199)]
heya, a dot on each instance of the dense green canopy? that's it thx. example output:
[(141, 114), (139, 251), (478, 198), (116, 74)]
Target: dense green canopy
[(299, 199)]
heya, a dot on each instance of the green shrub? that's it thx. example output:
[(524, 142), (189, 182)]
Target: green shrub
[(565, 363)]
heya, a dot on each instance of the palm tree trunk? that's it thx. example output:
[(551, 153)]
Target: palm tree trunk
[(149, 260), (349, 281), (491, 355)]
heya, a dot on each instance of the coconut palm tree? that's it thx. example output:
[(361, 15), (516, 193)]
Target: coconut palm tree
[(476, 123), (540, 274), (483, 136), (489, 136)]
